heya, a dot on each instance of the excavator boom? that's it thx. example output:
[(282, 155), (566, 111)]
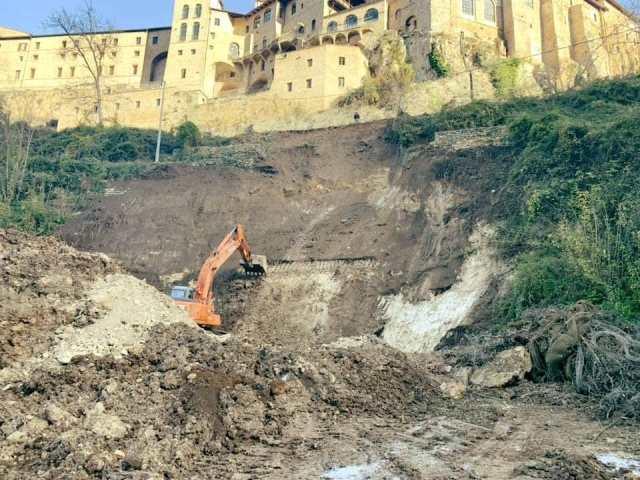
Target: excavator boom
[(199, 302)]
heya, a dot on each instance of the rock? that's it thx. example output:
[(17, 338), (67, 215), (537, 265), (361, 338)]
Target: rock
[(132, 461), (463, 375), (508, 367), (101, 423), (171, 380), (453, 390), (29, 431), (278, 387), (59, 417), (502, 430), (94, 464)]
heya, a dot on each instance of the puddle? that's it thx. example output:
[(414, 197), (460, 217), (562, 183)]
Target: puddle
[(354, 472), (620, 462)]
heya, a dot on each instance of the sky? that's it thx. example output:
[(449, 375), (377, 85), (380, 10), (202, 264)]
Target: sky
[(29, 15)]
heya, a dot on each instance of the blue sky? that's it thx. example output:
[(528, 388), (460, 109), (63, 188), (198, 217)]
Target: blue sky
[(28, 15)]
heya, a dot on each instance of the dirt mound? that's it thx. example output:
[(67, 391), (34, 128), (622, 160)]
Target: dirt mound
[(42, 283)]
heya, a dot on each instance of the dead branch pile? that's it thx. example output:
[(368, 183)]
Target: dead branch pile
[(583, 345)]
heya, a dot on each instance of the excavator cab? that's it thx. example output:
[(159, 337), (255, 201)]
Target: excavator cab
[(182, 294)]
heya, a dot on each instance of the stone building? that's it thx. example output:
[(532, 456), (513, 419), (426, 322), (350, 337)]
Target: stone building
[(306, 52)]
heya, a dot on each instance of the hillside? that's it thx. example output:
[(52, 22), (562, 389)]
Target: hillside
[(450, 296)]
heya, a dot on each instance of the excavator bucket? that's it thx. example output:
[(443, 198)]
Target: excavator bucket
[(257, 267)]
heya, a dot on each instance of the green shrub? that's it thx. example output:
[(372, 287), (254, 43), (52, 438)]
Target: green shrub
[(188, 135), (437, 62), (504, 76)]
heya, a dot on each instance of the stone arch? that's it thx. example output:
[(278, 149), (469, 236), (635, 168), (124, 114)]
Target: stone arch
[(354, 38), (226, 76), (234, 50), (371, 15), (411, 24), (341, 39), (328, 40), (314, 42), (158, 67)]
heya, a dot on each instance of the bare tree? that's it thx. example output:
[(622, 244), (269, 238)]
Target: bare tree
[(15, 145), (90, 38)]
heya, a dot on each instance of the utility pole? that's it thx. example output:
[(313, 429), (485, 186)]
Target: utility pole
[(160, 122)]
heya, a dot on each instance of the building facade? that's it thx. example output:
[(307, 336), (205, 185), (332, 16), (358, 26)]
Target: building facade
[(313, 50)]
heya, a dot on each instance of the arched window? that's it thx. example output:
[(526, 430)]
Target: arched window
[(468, 8), (185, 12), (256, 22), (313, 25), (371, 15), (411, 24), (267, 15), (198, 13), (301, 30), (332, 26), (183, 32), (490, 11), (294, 7), (196, 31), (351, 21), (234, 50)]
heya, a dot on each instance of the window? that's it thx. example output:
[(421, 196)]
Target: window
[(246, 29), (136, 53), (264, 43), (256, 22), (468, 8), (183, 73), (216, 22), (309, 62), (232, 74), (155, 40), (198, 13), (33, 73), (262, 65), (37, 45), (72, 72), (342, 61), (196, 31), (36, 57), (59, 72), (313, 25), (183, 32), (267, 16), (301, 30), (289, 87), (64, 44), (112, 70), (411, 24), (341, 81), (138, 104), (185, 12), (351, 21), (371, 15), (22, 47), (193, 51), (180, 52), (18, 74), (309, 83), (332, 27), (138, 40), (529, 3), (115, 42), (135, 69), (117, 106), (489, 11), (104, 41), (234, 50), (294, 7), (157, 102)]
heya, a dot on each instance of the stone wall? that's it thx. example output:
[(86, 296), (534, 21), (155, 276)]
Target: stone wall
[(470, 137)]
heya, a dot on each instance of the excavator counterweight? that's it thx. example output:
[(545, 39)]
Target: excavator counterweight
[(199, 301)]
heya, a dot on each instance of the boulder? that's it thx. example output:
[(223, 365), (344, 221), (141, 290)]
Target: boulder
[(106, 425), (453, 390), (505, 369)]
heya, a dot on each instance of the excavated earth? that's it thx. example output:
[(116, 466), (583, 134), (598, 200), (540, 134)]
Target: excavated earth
[(323, 371)]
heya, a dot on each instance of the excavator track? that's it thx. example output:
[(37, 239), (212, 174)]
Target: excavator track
[(320, 265)]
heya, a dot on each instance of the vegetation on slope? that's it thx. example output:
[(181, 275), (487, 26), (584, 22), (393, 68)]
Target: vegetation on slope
[(570, 211), (46, 175)]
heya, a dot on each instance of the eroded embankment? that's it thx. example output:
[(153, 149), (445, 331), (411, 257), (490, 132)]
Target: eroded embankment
[(337, 193)]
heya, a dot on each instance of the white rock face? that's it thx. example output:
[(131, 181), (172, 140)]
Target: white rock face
[(418, 327)]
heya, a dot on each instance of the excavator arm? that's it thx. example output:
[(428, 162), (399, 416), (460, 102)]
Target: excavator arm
[(201, 307)]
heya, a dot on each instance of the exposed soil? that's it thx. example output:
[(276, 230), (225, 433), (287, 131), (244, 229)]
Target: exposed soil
[(302, 385)]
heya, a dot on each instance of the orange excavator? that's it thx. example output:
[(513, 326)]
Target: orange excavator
[(199, 301)]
